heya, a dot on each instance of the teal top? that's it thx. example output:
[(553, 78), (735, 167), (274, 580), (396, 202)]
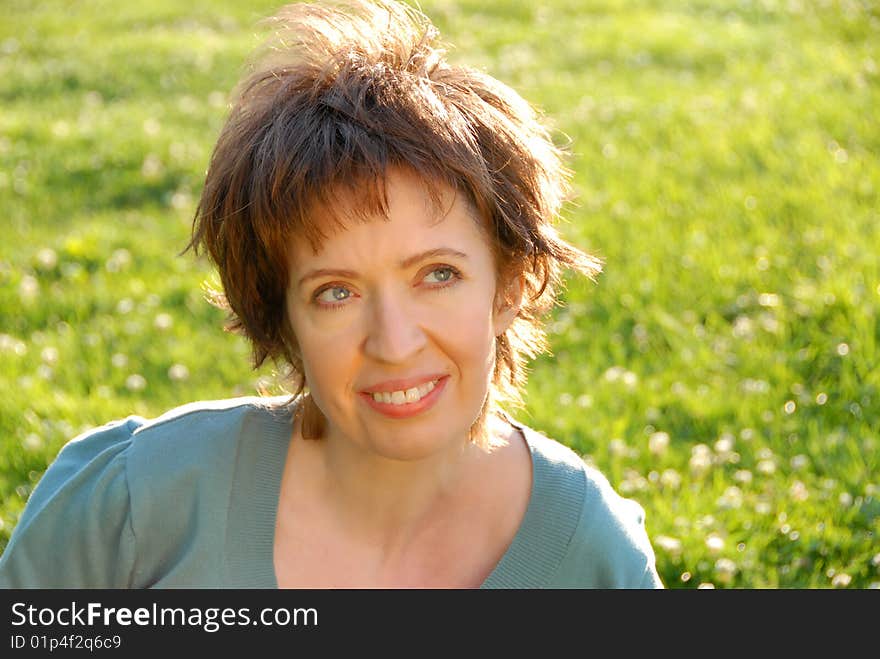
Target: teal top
[(188, 500)]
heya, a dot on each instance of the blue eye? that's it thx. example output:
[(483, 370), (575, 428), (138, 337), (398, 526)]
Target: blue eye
[(333, 295), (441, 275)]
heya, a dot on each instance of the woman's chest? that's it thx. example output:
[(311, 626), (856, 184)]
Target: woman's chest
[(449, 556), (457, 544)]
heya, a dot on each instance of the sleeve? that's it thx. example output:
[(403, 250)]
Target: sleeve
[(610, 547), (75, 530), (633, 541), (651, 580)]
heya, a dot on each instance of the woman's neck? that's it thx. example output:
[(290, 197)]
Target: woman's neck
[(392, 503), (400, 521)]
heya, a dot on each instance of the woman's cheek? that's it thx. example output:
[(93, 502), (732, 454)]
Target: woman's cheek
[(465, 329)]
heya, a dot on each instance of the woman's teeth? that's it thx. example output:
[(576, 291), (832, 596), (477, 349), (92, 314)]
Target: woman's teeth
[(413, 395)]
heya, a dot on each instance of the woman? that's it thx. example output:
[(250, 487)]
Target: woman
[(382, 224)]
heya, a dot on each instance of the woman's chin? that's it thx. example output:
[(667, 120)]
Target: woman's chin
[(412, 447)]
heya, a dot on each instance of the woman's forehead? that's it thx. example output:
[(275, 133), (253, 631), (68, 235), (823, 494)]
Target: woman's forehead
[(401, 197)]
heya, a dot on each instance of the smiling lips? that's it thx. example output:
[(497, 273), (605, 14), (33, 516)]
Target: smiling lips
[(397, 400), (399, 397)]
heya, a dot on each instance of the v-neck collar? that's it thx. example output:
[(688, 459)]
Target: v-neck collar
[(531, 559)]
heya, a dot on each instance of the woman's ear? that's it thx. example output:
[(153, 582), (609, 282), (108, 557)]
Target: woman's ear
[(507, 303)]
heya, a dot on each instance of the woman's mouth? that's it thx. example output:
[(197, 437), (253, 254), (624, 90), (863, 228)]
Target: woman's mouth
[(408, 402), (412, 395)]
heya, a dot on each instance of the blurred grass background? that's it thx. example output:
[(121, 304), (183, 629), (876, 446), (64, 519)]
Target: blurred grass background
[(724, 370)]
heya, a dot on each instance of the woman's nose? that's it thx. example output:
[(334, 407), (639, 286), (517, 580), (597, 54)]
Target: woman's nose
[(394, 332)]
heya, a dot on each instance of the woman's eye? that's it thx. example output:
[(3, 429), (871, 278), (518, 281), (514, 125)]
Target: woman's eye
[(333, 295), (441, 275)]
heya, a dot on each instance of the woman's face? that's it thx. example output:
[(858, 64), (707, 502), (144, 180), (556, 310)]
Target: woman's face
[(396, 321)]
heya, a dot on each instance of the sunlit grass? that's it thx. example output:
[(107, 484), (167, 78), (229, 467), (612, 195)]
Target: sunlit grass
[(723, 370)]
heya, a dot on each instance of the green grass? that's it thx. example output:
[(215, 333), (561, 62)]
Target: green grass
[(727, 163)]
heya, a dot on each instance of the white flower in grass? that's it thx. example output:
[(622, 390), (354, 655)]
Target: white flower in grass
[(732, 498), (47, 258), (668, 544), (178, 372), (798, 491), (743, 476), (152, 167), (11, 344), (163, 322), (614, 373), (119, 260), (724, 444), (743, 327), (671, 479), (714, 543), (725, 570), (119, 360), (766, 467), (617, 447), (841, 580), (633, 481), (705, 522), (32, 442), (701, 460), (828, 483), (724, 449), (28, 288), (768, 300), (875, 561), (135, 382), (800, 462), (49, 355), (706, 586), (658, 442)]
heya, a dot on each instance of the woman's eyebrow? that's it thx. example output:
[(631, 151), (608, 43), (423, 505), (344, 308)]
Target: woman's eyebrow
[(431, 254), (409, 261)]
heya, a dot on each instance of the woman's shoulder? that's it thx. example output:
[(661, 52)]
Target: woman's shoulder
[(192, 422), (205, 426), (567, 471), (607, 543), (227, 414), (134, 479), (192, 456), (194, 432), (555, 465), (79, 507)]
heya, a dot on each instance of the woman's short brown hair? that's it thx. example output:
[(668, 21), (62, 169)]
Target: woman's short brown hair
[(341, 92)]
